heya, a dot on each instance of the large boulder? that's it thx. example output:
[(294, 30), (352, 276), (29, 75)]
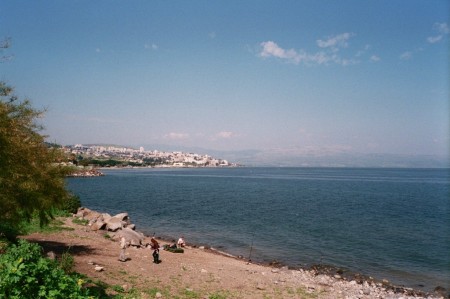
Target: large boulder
[(99, 224), (122, 216), (133, 237), (82, 211), (106, 216), (114, 224), (92, 216)]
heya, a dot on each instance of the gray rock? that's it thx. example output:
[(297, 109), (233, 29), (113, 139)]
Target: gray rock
[(132, 237), (92, 216), (114, 224), (131, 226), (122, 216), (51, 255), (98, 225)]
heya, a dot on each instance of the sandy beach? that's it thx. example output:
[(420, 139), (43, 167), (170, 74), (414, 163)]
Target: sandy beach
[(199, 272)]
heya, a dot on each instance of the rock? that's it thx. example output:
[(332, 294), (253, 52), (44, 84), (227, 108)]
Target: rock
[(82, 212), (131, 226), (51, 255), (99, 268), (260, 287), (106, 217), (113, 224), (92, 216), (133, 237), (98, 225), (158, 295), (337, 276), (122, 216), (204, 271), (440, 290)]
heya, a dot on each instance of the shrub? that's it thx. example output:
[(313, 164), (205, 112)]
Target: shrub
[(26, 274), (66, 262), (71, 204)]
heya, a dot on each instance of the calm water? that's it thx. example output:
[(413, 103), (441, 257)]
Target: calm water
[(386, 223)]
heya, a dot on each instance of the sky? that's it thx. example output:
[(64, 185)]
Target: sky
[(361, 77)]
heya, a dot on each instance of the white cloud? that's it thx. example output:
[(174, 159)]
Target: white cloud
[(272, 49), (375, 58), (225, 134), (434, 39), (152, 46), (176, 136), (328, 54), (406, 55), (338, 41), (441, 29)]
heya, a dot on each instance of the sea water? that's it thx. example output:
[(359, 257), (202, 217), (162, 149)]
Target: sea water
[(390, 224)]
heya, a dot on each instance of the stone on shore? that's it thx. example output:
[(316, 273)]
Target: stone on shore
[(114, 224), (133, 237)]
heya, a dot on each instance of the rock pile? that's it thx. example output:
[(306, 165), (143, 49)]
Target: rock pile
[(117, 226), (84, 173)]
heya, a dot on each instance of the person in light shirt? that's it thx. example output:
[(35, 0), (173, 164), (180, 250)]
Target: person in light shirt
[(181, 242)]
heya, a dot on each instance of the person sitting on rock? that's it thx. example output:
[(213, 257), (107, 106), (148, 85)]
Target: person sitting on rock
[(181, 242)]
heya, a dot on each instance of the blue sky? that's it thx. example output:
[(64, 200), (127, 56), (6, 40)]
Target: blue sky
[(288, 76)]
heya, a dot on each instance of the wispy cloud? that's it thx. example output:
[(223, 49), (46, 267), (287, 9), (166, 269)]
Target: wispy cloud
[(328, 52), (98, 50), (375, 58), (335, 42), (225, 135), (440, 29), (212, 35), (176, 136), (151, 46), (406, 55)]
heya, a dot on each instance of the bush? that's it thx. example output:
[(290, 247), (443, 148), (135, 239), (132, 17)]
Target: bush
[(26, 274), (71, 204), (67, 262)]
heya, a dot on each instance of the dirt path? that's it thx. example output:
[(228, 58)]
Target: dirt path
[(196, 273)]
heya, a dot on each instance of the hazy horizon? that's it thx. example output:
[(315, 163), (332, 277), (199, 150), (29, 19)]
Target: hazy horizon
[(296, 78)]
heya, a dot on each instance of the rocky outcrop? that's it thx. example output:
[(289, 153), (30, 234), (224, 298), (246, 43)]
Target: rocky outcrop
[(85, 173), (119, 225)]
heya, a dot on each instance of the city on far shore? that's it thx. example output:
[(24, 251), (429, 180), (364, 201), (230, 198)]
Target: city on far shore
[(118, 156)]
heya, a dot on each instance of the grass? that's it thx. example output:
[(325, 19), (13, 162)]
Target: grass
[(79, 221), (34, 226)]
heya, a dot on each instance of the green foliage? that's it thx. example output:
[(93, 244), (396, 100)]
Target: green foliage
[(30, 180), (80, 221), (71, 204), (66, 262), (26, 274), (100, 163), (218, 295)]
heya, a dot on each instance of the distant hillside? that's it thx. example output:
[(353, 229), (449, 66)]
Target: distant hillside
[(318, 159)]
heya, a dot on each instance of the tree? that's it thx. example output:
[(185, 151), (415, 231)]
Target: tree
[(30, 181)]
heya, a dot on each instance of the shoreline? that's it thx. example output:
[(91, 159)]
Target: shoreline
[(207, 270), (331, 271)]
